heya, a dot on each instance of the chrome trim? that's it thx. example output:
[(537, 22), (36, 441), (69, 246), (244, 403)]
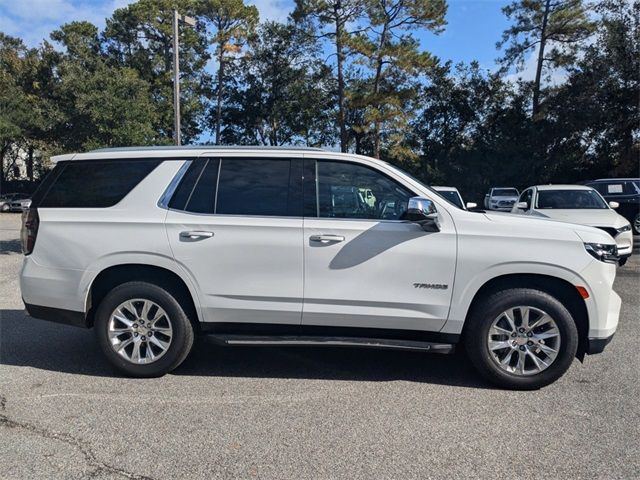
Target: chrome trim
[(171, 188)]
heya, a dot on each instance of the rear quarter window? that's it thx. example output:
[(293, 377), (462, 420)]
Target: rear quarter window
[(92, 184)]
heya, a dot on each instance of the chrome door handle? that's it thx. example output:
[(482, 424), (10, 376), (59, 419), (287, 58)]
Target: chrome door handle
[(326, 238), (194, 234)]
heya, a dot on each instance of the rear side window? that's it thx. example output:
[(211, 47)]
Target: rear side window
[(254, 187), (197, 190), (92, 184), (241, 186)]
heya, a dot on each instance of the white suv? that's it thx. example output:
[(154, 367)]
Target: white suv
[(259, 246)]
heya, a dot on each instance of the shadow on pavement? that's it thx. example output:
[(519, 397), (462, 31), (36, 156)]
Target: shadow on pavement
[(10, 247), (28, 342)]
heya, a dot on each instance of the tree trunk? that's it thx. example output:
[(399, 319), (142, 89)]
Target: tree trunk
[(30, 163), (376, 88), (3, 152), (543, 41), (340, 62), (219, 93)]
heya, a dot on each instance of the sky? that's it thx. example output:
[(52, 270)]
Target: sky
[(474, 26)]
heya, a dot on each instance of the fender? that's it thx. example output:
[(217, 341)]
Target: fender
[(465, 290), (145, 258)]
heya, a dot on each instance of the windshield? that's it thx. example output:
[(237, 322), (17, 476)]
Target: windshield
[(570, 199), (505, 192), (451, 197)]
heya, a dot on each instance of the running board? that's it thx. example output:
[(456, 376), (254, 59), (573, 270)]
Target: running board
[(312, 341)]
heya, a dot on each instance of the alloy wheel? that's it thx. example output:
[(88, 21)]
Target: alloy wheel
[(524, 340), (140, 331)]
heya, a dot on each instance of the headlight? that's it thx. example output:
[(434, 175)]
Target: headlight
[(603, 252), (626, 228)]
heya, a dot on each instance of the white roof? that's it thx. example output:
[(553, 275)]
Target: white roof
[(562, 187)]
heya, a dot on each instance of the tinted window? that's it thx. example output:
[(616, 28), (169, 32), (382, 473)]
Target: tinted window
[(505, 192), (203, 197), (526, 197), (254, 187), (451, 197), (347, 190), (185, 187), (570, 199), (94, 183), (622, 188)]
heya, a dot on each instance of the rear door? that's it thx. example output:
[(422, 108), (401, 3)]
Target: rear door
[(235, 226), (364, 265)]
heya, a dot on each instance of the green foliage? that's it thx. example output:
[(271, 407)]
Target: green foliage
[(233, 23), (554, 27), (139, 37), (340, 72), (394, 62), (284, 96)]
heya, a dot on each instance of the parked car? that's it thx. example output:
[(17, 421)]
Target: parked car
[(625, 192), (7, 199), (452, 195), (260, 246), (19, 205), (578, 204), (501, 199)]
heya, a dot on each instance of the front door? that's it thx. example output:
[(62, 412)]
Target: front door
[(364, 265), (235, 226)]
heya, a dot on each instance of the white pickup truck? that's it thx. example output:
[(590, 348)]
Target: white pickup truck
[(502, 199)]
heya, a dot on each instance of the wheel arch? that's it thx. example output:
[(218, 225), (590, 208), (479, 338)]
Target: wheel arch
[(115, 275), (561, 289)]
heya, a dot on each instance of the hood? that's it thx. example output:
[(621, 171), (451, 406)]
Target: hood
[(593, 217), (550, 227)]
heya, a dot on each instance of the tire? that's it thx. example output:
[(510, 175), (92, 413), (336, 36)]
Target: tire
[(5, 208), (489, 362), (622, 261), (172, 327), (636, 225)]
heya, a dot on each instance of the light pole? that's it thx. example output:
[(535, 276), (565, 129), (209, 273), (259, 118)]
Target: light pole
[(176, 74)]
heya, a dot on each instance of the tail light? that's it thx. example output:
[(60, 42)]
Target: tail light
[(30, 222)]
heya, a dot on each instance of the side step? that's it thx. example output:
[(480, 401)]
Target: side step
[(313, 341)]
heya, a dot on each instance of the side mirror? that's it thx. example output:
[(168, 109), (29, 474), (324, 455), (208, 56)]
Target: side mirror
[(614, 204), (471, 205), (423, 212), (522, 206)]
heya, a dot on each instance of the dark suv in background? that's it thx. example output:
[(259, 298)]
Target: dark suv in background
[(625, 191)]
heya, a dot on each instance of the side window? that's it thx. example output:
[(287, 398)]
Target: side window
[(91, 184), (348, 190), (600, 187), (614, 189), (255, 187)]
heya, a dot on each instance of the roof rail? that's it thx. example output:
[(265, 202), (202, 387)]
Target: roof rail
[(202, 147)]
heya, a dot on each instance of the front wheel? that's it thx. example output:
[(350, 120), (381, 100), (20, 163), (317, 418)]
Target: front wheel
[(143, 330), (636, 224), (521, 339)]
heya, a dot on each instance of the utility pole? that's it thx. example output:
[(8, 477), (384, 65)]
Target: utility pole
[(176, 74)]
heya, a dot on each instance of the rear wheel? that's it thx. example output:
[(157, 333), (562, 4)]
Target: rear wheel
[(143, 330), (521, 338)]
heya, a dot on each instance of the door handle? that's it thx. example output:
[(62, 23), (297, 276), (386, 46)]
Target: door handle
[(194, 234), (326, 238)]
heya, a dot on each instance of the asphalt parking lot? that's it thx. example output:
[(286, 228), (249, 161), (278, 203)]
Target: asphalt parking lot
[(304, 413)]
